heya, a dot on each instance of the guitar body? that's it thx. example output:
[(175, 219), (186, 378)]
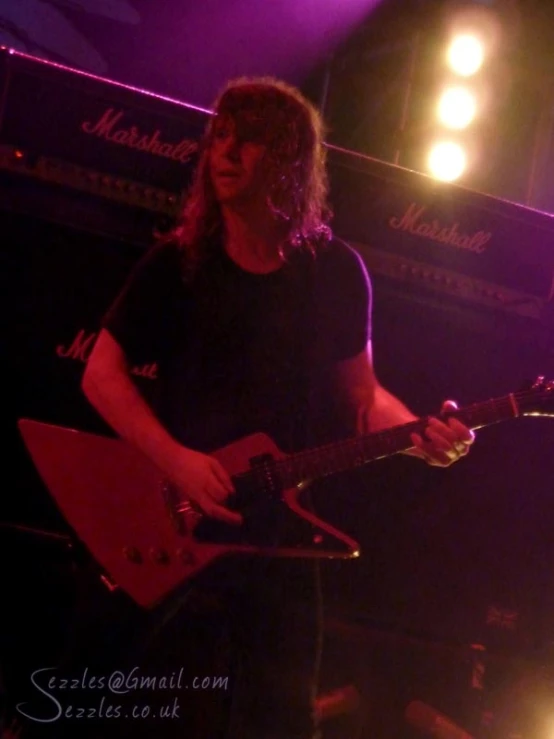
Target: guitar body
[(145, 536), (150, 540)]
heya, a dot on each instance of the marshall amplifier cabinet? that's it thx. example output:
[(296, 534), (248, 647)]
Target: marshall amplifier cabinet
[(90, 151), (453, 246), (114, 159)]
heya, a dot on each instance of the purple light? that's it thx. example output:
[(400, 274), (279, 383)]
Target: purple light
[(214, 41)]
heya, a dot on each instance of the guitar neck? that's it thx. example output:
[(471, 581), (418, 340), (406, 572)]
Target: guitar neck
[(359, 450)]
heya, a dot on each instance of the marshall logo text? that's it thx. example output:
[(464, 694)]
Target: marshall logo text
[(81, 348), (412, 221), (109, 127)]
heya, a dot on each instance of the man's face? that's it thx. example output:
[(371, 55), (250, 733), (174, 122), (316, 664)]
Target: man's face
[(236, 166)]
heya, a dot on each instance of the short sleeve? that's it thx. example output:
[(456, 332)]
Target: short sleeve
[(345, 297), (147, 311)]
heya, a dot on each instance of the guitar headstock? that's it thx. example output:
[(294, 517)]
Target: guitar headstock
[(538, 399)]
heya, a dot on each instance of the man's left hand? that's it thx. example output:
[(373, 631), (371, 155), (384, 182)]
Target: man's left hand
[(443, 443)]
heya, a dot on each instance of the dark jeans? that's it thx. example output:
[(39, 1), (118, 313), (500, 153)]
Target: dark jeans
[(232, 657)]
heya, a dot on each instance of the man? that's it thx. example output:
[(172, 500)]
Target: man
[(256, 317)]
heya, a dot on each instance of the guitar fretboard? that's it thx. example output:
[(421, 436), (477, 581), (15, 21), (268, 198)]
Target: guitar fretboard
[(347, 454)]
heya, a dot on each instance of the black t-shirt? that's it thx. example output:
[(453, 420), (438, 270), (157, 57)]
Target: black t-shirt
[(239, 352)]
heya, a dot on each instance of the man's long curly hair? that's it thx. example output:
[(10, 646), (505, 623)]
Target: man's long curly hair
[(276, 114)]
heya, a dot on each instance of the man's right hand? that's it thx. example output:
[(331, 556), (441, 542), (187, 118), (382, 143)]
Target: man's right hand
[(108, 385), (203, 480)]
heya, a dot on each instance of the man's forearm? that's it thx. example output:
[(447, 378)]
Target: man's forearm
[(387, 410), (375, 408), (109, 387), (120, 403)]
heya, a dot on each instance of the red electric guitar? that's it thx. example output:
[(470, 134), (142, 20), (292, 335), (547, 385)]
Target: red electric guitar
[(150, 540)]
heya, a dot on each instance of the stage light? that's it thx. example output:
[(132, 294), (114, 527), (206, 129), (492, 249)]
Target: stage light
[(447, 161), (457, 107), (466, 54)]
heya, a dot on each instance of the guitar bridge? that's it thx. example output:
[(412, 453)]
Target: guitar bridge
[(182, 512)]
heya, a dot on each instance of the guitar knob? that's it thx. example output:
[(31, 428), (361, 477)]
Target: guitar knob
[(133, 555), (159, 556)]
